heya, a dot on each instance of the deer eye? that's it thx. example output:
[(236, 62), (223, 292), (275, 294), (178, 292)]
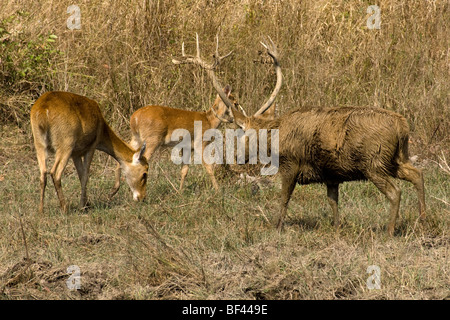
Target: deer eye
[(144, 176)]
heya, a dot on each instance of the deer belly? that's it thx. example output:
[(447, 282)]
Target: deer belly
[(309, 174), (84, 143)]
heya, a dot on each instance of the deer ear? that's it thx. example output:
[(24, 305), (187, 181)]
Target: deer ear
[(227, 90), (239, 118), (139, 155), (271, 110)]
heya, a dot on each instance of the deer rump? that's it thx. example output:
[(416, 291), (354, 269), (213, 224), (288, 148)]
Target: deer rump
[(342, 144)]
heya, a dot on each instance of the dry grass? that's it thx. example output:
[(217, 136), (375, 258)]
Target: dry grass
[(122, 55), (205, 245)]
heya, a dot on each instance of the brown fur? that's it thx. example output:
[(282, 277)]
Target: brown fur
[(72, 126), (335, 145), (154, 125)]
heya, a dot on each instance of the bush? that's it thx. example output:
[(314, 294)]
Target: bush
[(25, 64)]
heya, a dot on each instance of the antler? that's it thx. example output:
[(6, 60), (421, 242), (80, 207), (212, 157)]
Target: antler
[(272, 51), (197, 60), (210, 67)]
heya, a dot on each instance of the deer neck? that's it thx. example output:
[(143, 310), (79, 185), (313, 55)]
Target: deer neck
[(265, 124), (115, 146), (212, 119)]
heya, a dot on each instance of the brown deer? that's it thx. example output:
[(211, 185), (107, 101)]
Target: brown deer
[(155, 124), (72, 126), (335, 145)]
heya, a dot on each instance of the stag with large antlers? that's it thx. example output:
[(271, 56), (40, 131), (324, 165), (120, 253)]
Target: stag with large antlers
[(73, 127), (335, 145)]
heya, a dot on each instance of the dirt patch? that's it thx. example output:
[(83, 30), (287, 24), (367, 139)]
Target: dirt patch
[(89, 239), (280, 288), (348, 290), (29, 279), (435, 242)]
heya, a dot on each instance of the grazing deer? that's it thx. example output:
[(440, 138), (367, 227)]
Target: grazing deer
[(73, 127), (335, 145), (155, 124)]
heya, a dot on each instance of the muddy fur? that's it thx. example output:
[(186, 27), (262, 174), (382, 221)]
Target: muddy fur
[(334, 145)]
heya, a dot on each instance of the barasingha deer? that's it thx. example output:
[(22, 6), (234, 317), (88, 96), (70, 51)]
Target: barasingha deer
[(334, 145), (154, 125), (72, 126)]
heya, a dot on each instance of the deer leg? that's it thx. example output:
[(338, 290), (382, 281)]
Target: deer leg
[(409, 173), (393, 193), (86, 166), (210, 170), (184, 172), (82, 166), (78, 162), (288, 182), (209, 167), (333, 195), (42, 159), (40, 143), (43, 182), (61, 160)]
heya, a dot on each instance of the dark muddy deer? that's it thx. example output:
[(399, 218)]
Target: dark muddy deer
[(335, 145)]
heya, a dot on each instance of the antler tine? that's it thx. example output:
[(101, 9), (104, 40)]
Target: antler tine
[(264, 45), (227, 55), (217, 57), (242, 110), (197, 60), (198, 45), (273, 44), (272, 51), (217, 50), (217, 45), (183, 54)]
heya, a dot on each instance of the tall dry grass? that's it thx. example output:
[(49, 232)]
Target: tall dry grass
[(198, 244), (122, 56)]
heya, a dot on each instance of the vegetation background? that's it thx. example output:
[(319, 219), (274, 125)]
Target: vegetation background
[(201, 244)]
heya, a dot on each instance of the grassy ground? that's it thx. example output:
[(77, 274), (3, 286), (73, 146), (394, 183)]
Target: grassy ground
[(199, 243), (205, 245)]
